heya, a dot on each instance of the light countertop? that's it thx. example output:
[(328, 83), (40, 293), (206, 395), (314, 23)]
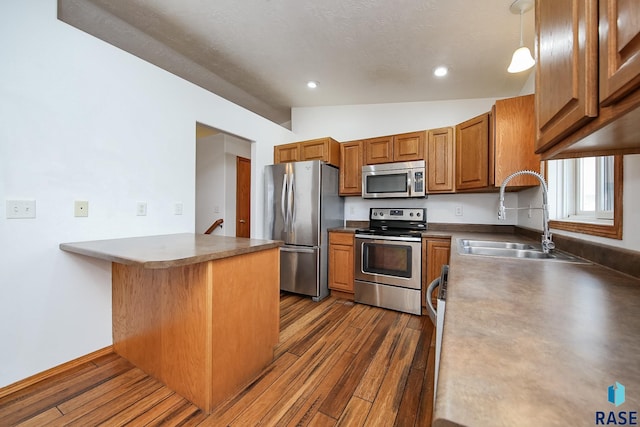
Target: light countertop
[(169, 250)]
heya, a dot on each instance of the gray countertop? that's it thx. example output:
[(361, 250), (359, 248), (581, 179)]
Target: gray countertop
[(535, 342), (169, 250)]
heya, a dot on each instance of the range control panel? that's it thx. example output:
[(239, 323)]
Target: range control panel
[(410, 214)]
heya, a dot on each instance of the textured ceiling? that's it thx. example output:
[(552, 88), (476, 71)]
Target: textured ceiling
[(260, 53)]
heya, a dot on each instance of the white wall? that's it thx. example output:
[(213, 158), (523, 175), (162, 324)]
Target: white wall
[(83, 120), (350, 122), (216, 181)]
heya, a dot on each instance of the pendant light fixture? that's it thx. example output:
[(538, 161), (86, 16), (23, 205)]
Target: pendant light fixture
[(522, 59)]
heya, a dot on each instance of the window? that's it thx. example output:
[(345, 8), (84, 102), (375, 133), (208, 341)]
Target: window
[(585, 195)]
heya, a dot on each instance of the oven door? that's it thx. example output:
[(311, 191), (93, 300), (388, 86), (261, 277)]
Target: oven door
[(389, 260)]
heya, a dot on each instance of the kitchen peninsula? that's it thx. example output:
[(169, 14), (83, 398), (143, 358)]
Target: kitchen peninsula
[(198, 312)]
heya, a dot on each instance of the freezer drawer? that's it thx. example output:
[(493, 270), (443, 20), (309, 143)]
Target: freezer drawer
[(386, 296), (299, 270)]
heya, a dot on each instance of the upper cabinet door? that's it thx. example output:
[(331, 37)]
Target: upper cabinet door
[(351, 168), (409, 146), (619, 49), (378, 150), (472, 153), (566, 67)]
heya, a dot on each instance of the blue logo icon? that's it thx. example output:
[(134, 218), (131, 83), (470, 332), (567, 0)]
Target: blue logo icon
[(616, 394)]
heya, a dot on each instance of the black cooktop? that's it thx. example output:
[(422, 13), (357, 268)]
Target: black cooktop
[(409, 222)]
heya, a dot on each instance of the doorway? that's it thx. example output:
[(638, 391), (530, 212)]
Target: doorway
[(222, 182), (243, 197)]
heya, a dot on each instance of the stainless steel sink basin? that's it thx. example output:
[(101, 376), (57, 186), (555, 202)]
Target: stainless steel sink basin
[(492, 248), (495, 244)]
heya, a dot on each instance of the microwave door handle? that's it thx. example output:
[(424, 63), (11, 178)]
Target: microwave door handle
[(409, 184)]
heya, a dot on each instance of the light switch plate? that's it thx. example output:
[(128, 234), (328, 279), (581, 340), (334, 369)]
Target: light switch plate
[(81, 208), (21, 209), (141, 208)]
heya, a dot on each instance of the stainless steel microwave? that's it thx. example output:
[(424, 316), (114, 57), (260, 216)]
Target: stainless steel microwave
[(394, 180)]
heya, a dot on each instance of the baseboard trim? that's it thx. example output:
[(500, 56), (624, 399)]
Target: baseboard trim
[(22, 384)]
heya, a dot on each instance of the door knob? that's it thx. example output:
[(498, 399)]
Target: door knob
[(242, 221)]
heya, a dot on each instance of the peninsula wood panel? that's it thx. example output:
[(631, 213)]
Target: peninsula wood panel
[(203, 329), (245, 319), (566, 68), (159, 325)]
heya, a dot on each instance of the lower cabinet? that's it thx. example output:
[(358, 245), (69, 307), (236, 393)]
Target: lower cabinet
[(435, 254), (341, 262)]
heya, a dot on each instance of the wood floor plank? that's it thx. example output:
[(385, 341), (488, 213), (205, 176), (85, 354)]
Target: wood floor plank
[(341, 393), (370, 384), (167, 406), (51, 396), (425, 410), (386, 406), (138, 408), (366, 329), (355, 414), (306, 408), (101, 409), (424, 345), (410, 403), (43, 418), (118, 383), (19, 396), (312, 365), (227, 412), (177, 417), (322, 420)]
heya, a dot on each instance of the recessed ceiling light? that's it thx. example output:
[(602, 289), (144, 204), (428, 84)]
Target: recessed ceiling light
[(312, 84), (440, 71)]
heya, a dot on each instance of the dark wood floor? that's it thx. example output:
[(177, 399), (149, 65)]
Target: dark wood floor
[(337, 363)]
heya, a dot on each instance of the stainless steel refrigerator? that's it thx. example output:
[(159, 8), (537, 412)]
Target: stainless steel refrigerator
[(302, 202)]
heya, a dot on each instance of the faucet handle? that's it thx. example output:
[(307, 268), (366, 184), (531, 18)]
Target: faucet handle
[(502, 212)]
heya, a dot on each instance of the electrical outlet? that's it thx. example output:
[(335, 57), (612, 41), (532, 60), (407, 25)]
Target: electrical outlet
[(81, 208), (177, 208), (141, 208), (458, 210), (21, 209)]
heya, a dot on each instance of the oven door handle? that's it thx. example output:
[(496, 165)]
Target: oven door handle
[(432, 310), (386, 238)]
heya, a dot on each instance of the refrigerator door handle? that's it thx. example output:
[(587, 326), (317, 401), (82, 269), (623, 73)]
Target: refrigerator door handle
[(291, 204), (282, 198), (298, 249)]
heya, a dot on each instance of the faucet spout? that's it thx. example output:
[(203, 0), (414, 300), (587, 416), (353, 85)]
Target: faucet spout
[(547, 242)]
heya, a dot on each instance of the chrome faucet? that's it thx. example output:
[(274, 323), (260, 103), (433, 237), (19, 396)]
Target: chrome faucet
[(547, 243)]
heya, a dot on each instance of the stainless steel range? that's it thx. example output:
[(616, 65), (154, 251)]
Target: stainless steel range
[(388, 267)]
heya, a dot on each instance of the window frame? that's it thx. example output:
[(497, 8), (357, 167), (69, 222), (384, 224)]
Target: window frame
[(610, 231)]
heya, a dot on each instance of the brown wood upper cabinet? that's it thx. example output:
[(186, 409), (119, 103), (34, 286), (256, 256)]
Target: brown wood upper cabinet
[(395, 148), (325, 149), (587, 77), (351, 168), (472, 153), (440, 160), (493, 145)]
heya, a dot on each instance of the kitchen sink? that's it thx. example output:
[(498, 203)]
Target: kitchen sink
[(495, 244), (492, 248)]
